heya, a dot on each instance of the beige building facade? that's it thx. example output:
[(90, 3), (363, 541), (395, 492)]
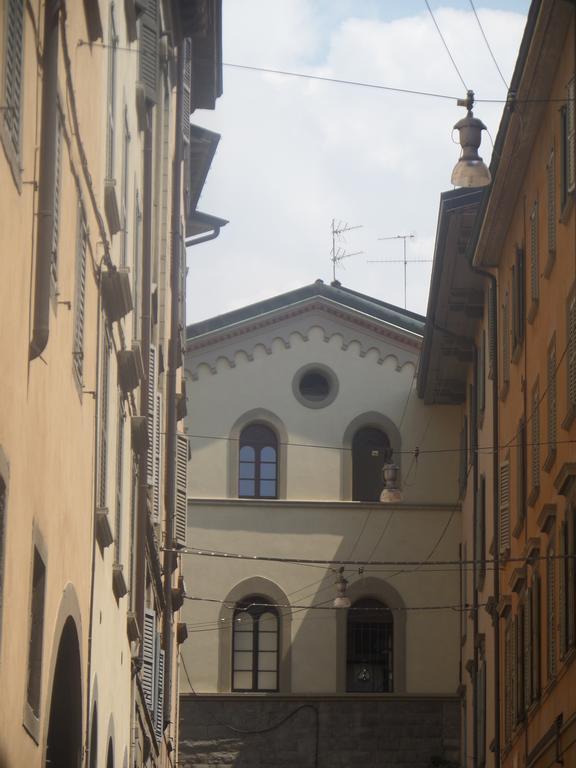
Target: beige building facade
[(100, 179)]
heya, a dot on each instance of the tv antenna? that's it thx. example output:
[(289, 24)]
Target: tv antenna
[(338, 253), (399, 261)]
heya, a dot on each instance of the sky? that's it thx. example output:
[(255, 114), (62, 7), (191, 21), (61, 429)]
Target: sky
[(295, 154)]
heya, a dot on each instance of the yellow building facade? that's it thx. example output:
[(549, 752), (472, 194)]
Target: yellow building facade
[(99, 184)]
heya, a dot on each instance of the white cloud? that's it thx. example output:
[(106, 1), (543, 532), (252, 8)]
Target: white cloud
[(296, 153)]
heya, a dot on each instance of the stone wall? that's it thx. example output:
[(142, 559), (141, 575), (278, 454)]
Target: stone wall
[(318, 732)]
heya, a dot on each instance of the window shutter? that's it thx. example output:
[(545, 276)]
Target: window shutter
[(562, 626), (534, 276), (152, 377), (551, 187), (504, 516), (508, 682), (187, 89), (571, 136), (180, 514), (570, 573), (521, 471), (149, 50), (149, 657), (481, 527), (481, 393), (159, 692), (514, 676), (536, 624), (551, 613), (104, 407), (551, 396), (14, 42), (56, 201), (572, 349), (535, 437), (79, 303), (527, 636), (157, 487)]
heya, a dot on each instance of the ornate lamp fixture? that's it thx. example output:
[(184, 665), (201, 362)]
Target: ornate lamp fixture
[(391, 493), (470, 170), (341, 601)]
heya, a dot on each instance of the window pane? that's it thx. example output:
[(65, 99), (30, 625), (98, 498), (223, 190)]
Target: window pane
[(242, 661), (247, 471), (268, 641), (268, 454), (243, 622), (247, 488), (268, 621), (243, 681), (247, 453), (267, 661), (267, 472), (267, 681), (243, 641), (268, 488)]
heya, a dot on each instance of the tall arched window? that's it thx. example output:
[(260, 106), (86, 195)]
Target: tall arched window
[(255, 646), (370, 451), (258, 469), (369, 648)]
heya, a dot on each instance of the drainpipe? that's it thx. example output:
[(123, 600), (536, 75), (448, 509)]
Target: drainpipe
[(47, 177), (475, 511), (493, 344), (203, 238), (171, 426), (142, 516)]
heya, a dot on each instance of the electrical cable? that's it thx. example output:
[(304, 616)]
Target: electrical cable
[(446, 45), (488, 46)]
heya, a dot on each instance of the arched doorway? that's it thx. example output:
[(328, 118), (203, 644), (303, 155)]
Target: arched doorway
[(64, 741), (370, 647), (370, 451)]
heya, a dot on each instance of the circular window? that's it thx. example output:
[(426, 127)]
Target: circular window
[(315, 386)]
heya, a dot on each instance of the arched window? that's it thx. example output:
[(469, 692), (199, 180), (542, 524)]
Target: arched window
[(370, 451), (255, 646), (369, 648), (258, 469)]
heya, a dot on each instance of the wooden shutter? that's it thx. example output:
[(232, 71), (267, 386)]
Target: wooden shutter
[(481, 527), (149, 657), (14, 45), (571, 137), (536, 626), (570, 573), (159, 692), (521, 471), (504, 512), (551, 396), (80, 297), (103, 431), (149, 60), (514, 676), (187, 89), (562, 591), (551, 195), (535, 437), (508, 682), (56, 200), (527, 662), (572, 349), (551, 612), (180, 512), (151, 399), (534, 275), (157, 483)]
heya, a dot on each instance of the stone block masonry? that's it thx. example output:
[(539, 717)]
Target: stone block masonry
[(274, 731)]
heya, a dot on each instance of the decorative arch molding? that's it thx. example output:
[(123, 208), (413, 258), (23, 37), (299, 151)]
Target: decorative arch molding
[(367, 419), (377, 589), (69, 609), (260, 586), (257, 416), (374, 345)]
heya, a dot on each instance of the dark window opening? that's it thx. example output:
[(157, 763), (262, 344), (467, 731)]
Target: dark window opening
[(36, 632), (255, 646), (314, 386), (369, 649), (258, 463), (370, 451)]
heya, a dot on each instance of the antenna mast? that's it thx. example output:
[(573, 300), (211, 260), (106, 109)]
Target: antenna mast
[(399, 261), (338, 254)]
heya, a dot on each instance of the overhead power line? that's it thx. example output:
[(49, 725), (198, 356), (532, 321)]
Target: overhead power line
[(446, 45), (488, 46)]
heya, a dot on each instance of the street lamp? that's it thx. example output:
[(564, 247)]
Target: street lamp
[(470, 170)]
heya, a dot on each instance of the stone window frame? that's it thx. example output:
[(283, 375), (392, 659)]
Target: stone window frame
[(367, 419)]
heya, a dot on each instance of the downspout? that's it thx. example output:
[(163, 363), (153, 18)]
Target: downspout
[(493, 344), (142, 517), (47, 177), (175, 288), (203, 238), (475, 511)]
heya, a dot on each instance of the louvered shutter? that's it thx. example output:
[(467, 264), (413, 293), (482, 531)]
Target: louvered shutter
[(157, 487), (187, 89), (481, 527), (551, 612), (572, 349), (535, 437), (79, 303), (104, 407), (159, 692), (56, 201), (527, 637), (149, 57), (151, 399), (551, 396), (508, 683), (149, 657), (504, 512), (534, 275), (570, 572), (14, 42), (180, 513), (571, 137), (551, 193), (514, 675), (536, 624), (562, 624)]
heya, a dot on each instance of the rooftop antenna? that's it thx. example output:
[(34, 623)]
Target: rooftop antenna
[(399, 261), (338, 254)]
